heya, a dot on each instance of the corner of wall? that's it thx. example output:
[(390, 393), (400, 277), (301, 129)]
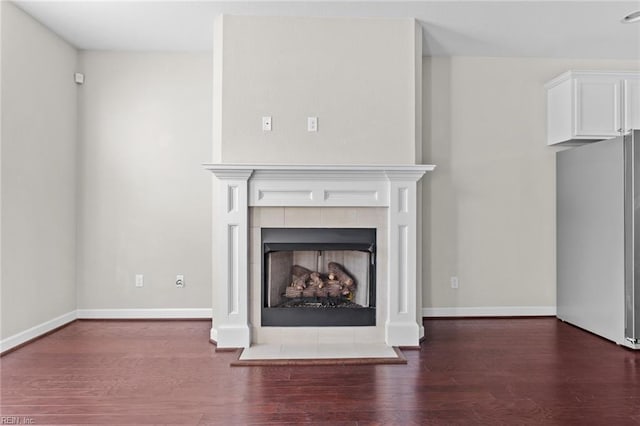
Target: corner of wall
[(218, 57), (38, 273), (418, 90), (2, 5)]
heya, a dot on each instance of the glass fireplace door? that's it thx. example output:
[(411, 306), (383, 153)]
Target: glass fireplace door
[(318, 277)]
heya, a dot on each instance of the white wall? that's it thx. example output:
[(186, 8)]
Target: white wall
[(1, 120), (144, 203), (144, 199), (358, 76), (38, 173), (490, 205)]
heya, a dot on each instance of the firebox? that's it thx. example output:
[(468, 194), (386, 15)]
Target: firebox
[(318, 277)]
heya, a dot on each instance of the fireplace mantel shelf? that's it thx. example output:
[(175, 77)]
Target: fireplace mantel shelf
[(394, 187), (319, 167), (317, 171)]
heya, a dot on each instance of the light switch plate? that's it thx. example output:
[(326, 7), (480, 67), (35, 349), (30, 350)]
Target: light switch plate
[(312, 124)]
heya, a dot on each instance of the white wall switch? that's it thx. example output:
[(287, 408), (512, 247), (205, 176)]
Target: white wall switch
[(139, 280), (312, 124), (266, 124), (179, 280), (454, 282)]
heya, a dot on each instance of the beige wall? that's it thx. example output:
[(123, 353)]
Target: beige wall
[(144, 200), (144, 203), (490, 205), (358, 76), (38, 173)]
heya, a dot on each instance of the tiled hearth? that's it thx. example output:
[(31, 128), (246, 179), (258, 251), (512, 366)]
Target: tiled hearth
[(253, 196), (318, 351)]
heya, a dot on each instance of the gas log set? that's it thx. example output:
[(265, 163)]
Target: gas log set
[(336, 283)]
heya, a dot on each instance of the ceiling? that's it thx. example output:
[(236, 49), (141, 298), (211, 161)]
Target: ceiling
[(567, 29)]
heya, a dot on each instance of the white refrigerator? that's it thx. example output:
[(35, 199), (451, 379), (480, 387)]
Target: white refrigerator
[(598, 238)]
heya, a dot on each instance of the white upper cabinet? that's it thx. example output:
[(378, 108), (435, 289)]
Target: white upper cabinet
[(631, 94), (585, 106), (597, 107)]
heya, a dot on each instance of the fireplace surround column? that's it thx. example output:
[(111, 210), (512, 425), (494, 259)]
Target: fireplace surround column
[(231, 327), (401, 328)]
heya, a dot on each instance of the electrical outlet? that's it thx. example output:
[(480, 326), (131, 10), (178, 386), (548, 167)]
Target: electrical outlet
[(179, 280), (266, 124), (139, 280), (454, 282)]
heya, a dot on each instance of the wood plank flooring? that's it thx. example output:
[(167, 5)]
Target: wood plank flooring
[(468, 372)]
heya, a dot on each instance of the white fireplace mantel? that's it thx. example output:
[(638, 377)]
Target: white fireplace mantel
[(241, 186)]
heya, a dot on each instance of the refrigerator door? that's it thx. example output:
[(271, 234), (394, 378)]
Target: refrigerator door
[(632, 237)]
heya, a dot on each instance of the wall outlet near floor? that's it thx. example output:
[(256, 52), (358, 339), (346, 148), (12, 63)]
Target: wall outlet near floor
[(179, 280), (139, 280), (454, 282)]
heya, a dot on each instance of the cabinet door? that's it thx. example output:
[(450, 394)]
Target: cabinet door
[(597, 108), (631, 104)]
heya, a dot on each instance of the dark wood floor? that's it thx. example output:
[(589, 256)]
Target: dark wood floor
[(486, 371)]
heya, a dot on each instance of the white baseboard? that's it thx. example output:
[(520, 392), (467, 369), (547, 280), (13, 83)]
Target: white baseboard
[(206, 313), (192, 313), (490, 311), (36, 331), (40, 329)]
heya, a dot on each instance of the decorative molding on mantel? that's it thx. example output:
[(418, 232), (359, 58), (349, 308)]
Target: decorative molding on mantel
[(229, 173), (241, 186), (313, 185)]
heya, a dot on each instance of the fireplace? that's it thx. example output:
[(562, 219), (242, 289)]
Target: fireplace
[(318, 277), (313, 194)]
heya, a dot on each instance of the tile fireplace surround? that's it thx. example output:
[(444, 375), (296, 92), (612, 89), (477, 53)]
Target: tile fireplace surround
[(349, 190)]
